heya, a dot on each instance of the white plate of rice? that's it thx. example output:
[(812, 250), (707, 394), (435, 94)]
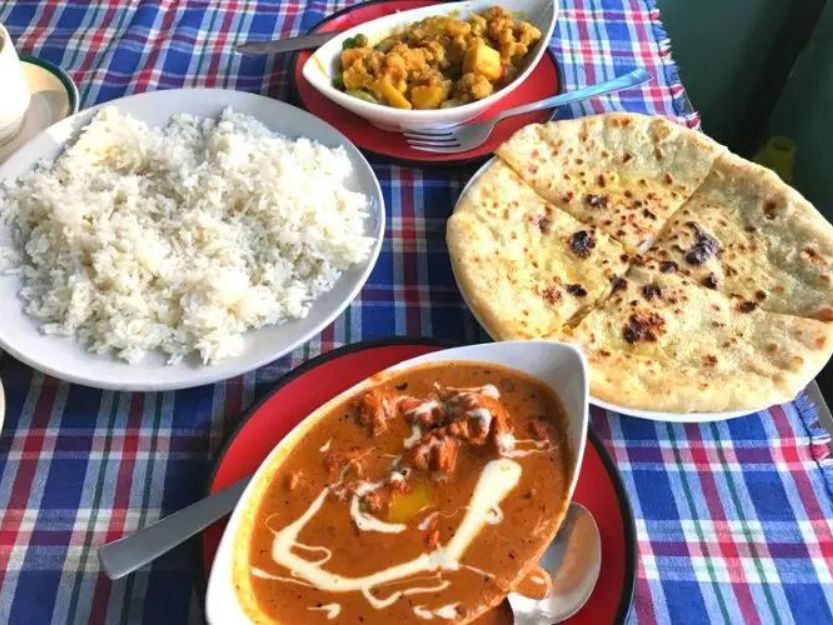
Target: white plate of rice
[(177, 238)]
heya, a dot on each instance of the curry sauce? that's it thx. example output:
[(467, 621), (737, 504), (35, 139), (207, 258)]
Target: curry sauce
[(427, 496)]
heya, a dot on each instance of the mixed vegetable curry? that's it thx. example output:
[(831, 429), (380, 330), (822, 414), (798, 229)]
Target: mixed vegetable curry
[(438, 62), (431, 495)]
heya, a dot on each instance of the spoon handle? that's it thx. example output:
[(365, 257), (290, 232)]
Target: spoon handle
[(289, 44), (132, 552)]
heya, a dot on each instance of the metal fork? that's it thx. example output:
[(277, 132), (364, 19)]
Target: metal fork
[(450, 139)]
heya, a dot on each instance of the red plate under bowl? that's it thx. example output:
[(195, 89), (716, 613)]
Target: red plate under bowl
[(543, 82), (307, 387)]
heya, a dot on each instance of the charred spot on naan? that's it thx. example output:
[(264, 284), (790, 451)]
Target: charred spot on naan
[(710, 281), (643, 326), (576, 290), (582, 243), (618, 284)]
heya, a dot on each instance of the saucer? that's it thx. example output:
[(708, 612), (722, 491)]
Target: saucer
[(54, 97)]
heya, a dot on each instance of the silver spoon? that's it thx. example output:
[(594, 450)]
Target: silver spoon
[(573, 559), (125, 555)]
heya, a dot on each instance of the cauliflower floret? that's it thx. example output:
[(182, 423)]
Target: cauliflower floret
[(395, 67), (478, 24), (415, 58), (356, 76), (435, 52), (351, 55), (527, 34), (456, 28), (498, 20), (474, 87), (508, 46), (375, 63)]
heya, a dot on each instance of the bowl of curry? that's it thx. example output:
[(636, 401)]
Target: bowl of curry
[(439, 64), (428, 491)]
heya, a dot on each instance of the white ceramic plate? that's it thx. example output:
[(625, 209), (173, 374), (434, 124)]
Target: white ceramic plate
[(54, 97), (323, 65), (674, 417), (65, 358), (559, 365), (681, 417)]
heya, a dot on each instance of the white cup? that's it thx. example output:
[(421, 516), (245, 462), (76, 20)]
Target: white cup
[(14, 92)]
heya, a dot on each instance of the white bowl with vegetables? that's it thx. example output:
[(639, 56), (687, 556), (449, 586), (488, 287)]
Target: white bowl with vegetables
[(450, 69)]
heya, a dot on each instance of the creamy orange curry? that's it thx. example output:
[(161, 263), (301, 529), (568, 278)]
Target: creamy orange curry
[(429, 496)]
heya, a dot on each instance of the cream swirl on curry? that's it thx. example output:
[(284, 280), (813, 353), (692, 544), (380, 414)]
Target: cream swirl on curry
[(427, 496)]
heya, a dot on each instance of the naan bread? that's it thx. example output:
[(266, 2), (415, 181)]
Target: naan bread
[(623, 173), (745, 232), (526, 267), (662, 342), (727, 299)]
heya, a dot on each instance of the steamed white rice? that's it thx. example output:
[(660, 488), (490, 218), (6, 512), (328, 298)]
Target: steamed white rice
[(181, 239)]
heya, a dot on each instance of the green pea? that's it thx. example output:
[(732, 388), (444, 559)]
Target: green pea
[(361, 95), (359, 41)]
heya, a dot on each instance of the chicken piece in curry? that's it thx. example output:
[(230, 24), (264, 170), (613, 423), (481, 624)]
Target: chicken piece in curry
[(429, 495), (439, 62)]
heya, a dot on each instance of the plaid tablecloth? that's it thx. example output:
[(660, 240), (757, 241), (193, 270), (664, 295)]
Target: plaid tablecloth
[(734, 519)]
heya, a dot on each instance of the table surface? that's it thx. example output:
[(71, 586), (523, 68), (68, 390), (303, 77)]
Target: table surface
[(733, 518)]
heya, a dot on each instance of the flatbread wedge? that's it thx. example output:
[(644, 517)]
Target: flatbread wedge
[(526, 267), (745, 232), (662, 342), (623, 173)]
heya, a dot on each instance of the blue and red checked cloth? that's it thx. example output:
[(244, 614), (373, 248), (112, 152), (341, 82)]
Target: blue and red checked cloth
[(734, 519)]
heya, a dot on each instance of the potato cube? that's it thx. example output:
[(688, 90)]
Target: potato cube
[(392, 95), (429, 96), (484, 60)]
